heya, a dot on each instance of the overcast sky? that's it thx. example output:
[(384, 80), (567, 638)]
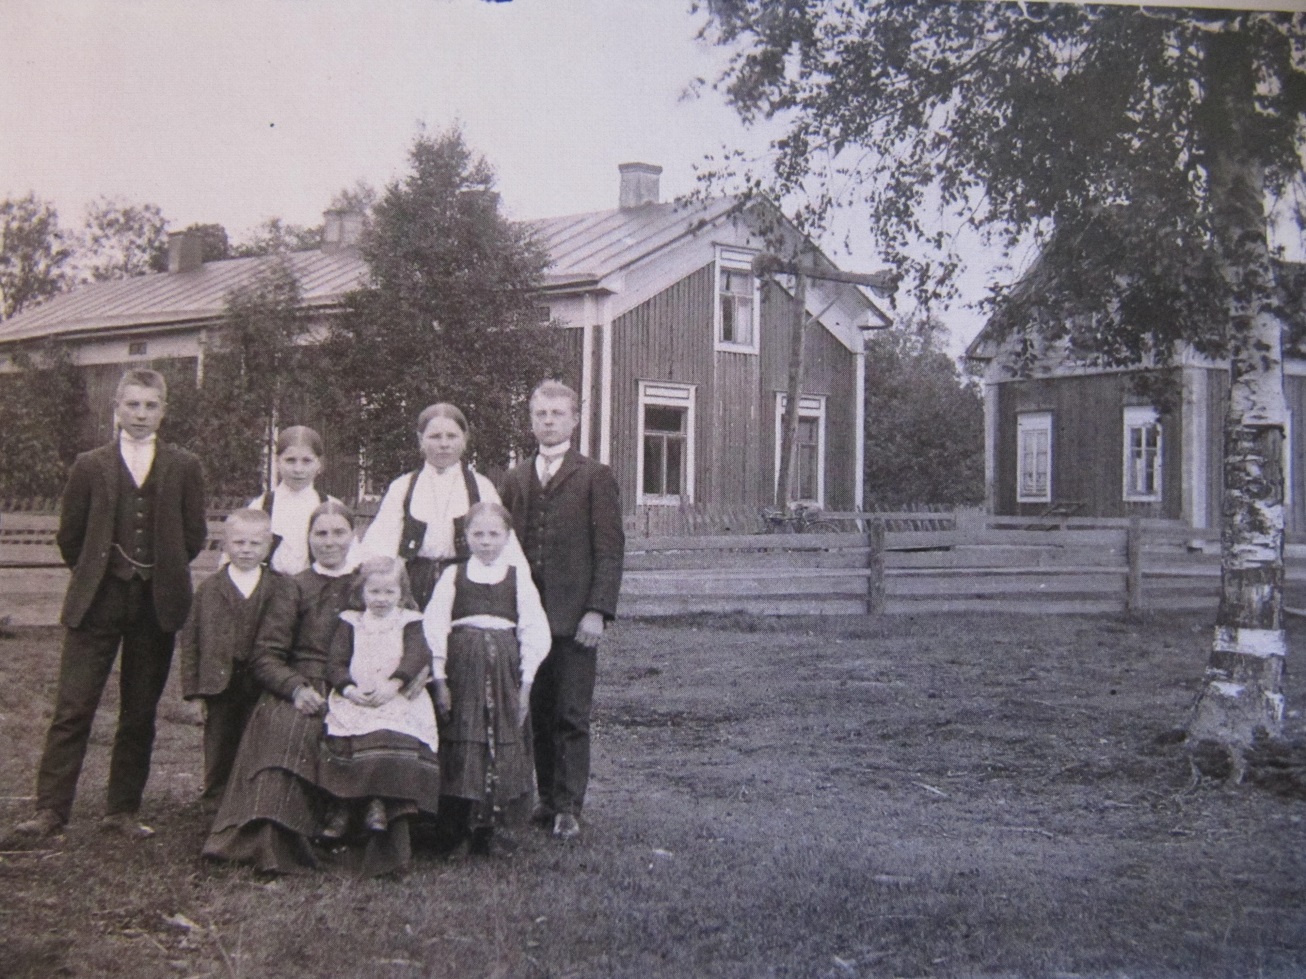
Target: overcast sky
[(240, 110), (237, 111)]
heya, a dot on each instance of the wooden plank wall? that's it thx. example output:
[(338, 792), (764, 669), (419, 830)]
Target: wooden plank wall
[(1087, 446), (668, 338), (829, 371)]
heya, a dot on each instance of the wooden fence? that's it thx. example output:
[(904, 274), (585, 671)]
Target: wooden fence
[(903, 563), (1012, 565)]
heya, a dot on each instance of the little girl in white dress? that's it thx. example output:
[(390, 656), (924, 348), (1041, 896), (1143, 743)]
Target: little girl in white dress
[(382, 742)]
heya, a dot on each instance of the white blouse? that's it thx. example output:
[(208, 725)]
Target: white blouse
[(534, 636), (291, 510), (438, 498)]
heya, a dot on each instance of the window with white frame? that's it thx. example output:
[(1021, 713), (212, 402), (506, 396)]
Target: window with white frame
[(809, 457), (1034, 457), (1142, 454), (666, 439), (737, 307)]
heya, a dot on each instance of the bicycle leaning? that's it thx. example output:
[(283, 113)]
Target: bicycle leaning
[(798, 518)]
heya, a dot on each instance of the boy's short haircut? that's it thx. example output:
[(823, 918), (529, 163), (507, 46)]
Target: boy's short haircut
[(556, 389), (250, 517), (141, 377), (488, 506)]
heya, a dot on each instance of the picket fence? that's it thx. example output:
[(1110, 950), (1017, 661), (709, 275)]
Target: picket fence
[(904, 562)]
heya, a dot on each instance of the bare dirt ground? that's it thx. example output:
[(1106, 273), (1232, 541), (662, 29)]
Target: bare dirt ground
[(960, 796)]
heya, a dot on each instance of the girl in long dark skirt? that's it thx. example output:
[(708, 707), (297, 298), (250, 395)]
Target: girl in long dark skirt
[(488, 635)]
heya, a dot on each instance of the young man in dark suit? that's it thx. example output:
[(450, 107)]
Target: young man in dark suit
[(566, 511), (131, 521)]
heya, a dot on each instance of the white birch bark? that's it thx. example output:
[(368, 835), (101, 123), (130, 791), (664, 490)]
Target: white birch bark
[(1242, 694)]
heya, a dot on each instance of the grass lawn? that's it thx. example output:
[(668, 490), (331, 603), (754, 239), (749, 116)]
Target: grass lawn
[(963, 796)]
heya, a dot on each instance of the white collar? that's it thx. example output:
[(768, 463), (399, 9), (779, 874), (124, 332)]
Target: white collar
[(340, 572), (246, 581), (499, 562), (125, 439), (552, 452), (282, 491), (453, 471)]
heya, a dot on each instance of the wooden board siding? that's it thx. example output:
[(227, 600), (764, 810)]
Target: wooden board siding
[(739, 475), (1217, 407), (828, 370), (667, 338), (1087, 447), (1294, 390), (671, 338)]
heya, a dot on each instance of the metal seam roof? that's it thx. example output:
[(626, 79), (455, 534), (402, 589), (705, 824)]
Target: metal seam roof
[(584, 248)]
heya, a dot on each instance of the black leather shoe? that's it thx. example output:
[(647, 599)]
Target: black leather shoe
[(44, 822), (375, 818), (542, 815), (337, 823), (126, 825), (565, 826)]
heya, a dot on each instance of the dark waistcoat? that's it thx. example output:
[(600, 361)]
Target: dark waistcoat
[(132, 554), (474, 598), (538, 510)]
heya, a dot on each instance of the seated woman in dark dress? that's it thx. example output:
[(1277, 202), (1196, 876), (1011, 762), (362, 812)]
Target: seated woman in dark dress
[(274, 806)]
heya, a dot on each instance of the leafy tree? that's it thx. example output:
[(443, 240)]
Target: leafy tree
[(361, 197), (120, 240), (260, 370), (1138, 145), (449, 314), (43, 410), (275, 236), (33, 252), (214, 246), (924, 421)]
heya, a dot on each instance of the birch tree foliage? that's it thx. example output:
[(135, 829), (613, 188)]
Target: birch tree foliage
[(1138, 147), (120, 239), (1088, 130), (34, 251)]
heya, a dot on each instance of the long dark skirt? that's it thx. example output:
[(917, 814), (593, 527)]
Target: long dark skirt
[(272, 808), (386, 765), (484, 754)]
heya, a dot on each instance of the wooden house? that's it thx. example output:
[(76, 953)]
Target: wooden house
[(1072, 439), (680, 354)]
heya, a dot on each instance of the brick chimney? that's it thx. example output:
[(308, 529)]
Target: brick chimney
[(639, 184), (185, 251), (341, 230)]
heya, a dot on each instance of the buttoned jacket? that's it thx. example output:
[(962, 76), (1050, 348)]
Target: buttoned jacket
[(85, 535), (221, 628), (577, 560)]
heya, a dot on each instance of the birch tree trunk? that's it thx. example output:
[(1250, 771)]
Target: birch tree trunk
[(1242, 693)]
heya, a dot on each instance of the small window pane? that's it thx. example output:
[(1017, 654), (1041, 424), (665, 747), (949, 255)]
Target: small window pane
[(736, 307), (675, 467), (653, 465), (663, 418)]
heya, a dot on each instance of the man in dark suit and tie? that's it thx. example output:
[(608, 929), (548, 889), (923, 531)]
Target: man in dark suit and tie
[(566, 511), (131, 521)]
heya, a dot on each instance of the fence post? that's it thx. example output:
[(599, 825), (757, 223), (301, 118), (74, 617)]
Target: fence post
[(875, 567), (1134, 572)]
